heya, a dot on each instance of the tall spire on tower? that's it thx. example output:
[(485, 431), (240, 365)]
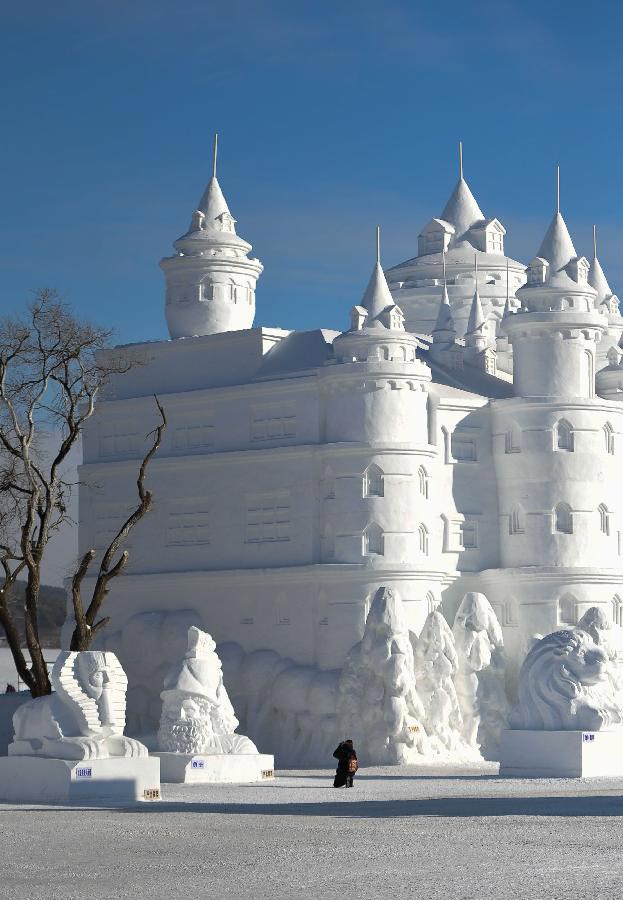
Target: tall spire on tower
[(557, 247), (596, 276), (213, 204), (444, 329), (475, 334), (462, 210), (377, 296)]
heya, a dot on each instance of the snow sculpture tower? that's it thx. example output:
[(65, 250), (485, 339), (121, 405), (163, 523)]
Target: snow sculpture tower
[(554, 447), (210, 281), (450, 240), (377, 397)]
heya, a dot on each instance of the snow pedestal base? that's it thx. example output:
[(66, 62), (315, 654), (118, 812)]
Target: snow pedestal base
[(561, 754), (201, 768), (36, 779)]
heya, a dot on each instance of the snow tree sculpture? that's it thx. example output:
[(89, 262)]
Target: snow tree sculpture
[(436, 664), (480, 679), (377, 703)]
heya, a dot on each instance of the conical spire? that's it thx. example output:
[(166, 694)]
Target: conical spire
[(596, 276), (557, 247), (213, 203), (462, 210), (476, 321), (444, 329), (508, 309), (377, 296)]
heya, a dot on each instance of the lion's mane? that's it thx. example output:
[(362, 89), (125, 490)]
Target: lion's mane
[(555, 694)]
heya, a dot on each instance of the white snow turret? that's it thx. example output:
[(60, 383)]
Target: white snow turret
[(608, 303), (211, 279), (554, 338)]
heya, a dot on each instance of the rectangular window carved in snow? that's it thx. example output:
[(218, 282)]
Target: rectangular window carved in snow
[(463, 448), (469, 535), (188, 525), (268, 518), (273, 421)]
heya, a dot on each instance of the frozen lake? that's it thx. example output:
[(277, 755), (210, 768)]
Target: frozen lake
[(8, 675), (401, 832)]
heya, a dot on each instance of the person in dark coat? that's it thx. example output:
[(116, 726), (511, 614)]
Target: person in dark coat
[(346, 764)]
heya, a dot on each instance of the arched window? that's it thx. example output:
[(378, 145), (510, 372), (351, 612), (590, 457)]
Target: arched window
[(617, 610), (423, 539), (516, 520), (604, 518), (609, 437), (373, 540), (423, 479), (567, 610), (563, 435), (373, 482), (383, 352), (513, 439), (431, 602), (563, 519)]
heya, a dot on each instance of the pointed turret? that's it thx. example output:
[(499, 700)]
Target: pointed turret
[(461, 210), (377, 309), (210, 279), (475, 334), (444, 330), (596, 276)]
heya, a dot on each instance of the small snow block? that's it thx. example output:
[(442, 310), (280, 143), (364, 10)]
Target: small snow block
[(215, 768), (561, 754), (37, 779)]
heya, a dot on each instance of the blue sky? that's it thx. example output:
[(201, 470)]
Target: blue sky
[(332, 117)]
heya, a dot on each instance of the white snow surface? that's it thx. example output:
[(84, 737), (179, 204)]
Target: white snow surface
[(401, 832)]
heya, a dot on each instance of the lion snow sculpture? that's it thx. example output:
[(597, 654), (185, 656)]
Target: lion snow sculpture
[(197, 715), (565, 685), (84, 718)]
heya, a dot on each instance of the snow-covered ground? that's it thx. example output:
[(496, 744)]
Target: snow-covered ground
[(401, 832), (8, 675)]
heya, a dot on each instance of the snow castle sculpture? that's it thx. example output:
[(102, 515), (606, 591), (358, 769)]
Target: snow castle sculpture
[(71, 743), (197, 735), (377, 702), (568, 716)]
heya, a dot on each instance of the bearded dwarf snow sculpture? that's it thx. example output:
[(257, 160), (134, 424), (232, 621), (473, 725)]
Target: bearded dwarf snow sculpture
[(84, 718), (565, 684), (197, 716)]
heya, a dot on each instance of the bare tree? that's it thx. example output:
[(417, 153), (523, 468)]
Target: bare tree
[(51, 370)]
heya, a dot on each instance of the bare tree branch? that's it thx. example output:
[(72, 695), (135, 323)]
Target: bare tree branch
[(86, 627)]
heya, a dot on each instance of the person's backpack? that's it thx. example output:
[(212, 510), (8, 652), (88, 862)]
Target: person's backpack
[(352, 765)]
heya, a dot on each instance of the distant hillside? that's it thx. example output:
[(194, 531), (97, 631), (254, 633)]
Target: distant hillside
[(52, 602)]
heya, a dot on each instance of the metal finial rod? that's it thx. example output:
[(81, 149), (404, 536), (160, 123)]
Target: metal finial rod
[(558, 189), (507, 287), (215, 155), (594, 242), (378, 244), (476, 268), (443, 257), (461, 160)]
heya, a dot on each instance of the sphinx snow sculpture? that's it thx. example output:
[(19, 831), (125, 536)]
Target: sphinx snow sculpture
[(480, 679), (70, 745), (197, 716), (85, 716), (565, 684), (436, 663), (197, 736), (377, 703)]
